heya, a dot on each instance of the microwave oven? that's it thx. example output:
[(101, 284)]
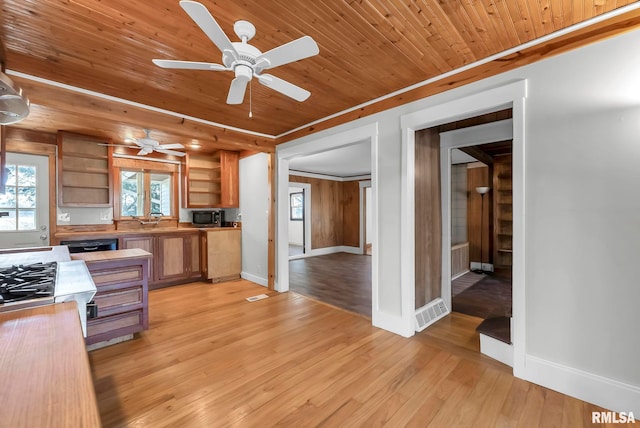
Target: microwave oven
[(208, 218)]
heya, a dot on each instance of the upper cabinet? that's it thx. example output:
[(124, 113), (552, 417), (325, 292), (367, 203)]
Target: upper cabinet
[(211, 180), (84, 171)]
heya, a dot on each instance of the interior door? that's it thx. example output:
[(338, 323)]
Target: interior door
[(24, 207)]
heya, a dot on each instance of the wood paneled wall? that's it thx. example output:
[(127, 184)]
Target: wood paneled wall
[(479, 176), (351, 213), (428, 217), (335, 212)]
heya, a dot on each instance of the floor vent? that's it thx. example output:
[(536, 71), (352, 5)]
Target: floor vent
[(432, 312)]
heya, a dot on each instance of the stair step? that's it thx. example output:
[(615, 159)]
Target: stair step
[(498, 328)]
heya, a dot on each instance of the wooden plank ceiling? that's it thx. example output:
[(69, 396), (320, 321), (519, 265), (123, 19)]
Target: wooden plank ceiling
[(368, 48)]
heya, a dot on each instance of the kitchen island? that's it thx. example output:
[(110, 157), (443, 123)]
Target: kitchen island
[(46, 379)]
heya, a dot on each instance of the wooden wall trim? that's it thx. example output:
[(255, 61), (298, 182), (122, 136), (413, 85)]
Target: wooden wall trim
[(271, 250), (582, 37), (428, 217)]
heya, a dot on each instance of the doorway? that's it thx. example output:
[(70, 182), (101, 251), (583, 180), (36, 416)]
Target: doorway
[(511, 95), (299, 220), (363, 135), (24, 207), (482, 225)]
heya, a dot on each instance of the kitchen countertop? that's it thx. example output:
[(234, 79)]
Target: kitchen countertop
[(46, 379), (117, 233), (96, 256)]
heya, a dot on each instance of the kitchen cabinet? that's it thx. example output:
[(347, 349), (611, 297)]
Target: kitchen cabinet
[(176, 256), (211, 180), (84, 171), (222, 255), (121, 279)]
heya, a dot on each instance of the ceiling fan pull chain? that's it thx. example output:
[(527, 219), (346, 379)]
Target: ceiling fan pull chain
[(250, 99)]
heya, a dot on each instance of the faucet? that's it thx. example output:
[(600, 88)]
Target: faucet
[(155, 215)]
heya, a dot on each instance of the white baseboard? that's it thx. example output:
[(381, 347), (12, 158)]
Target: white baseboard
[(337, 249), (254, 278), (601, 391), (459, 275), (351, 250), (496, 349)]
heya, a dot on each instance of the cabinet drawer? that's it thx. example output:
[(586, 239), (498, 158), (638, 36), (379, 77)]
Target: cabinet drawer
[(118, 299), (128, 321), (108, 276)]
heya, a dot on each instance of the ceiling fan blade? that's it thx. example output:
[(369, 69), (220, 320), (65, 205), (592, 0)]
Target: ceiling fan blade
[(209, 25), (301, 48), (170, 152), (133, 141), (170, 146), (143, 152), (188, 65), (284, 87), (237, 90)]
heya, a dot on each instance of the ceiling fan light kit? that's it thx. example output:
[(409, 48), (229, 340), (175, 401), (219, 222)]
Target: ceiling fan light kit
[(245, 60)]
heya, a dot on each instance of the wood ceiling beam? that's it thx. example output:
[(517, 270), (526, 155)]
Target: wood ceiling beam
[(478, 154), (87, 114), (599, 31)]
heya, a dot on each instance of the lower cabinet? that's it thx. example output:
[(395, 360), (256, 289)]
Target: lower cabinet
[(222, 258), (176, 256), (121, 298)]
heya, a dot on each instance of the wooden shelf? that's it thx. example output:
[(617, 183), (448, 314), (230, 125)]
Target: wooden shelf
[(503, 211), (84, 171), (211, 180)]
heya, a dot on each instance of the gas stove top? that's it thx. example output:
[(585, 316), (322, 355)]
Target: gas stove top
[(23, 283)]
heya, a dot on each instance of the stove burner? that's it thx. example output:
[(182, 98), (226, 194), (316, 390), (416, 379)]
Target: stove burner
[(25, 282)]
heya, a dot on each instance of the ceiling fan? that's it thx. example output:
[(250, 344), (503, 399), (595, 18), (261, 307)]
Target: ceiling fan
[(243, 59), (148, 145)]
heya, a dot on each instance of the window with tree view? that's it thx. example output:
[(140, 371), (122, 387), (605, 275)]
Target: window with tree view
[(19, 200), (144, 193)]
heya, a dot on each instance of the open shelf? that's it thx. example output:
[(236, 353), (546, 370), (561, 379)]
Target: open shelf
[(84, 171)]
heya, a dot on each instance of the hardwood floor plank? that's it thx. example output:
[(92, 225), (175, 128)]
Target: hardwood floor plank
[(340, 279), (210, 358)]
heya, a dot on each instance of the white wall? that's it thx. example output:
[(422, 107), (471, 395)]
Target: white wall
[(582, 210), (254, 214), (296, 227)]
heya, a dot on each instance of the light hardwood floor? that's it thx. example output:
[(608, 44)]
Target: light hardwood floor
[(210, 358)]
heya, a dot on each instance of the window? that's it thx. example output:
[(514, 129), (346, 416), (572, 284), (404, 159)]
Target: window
[(19, 199), (144, 193), (296, 206)]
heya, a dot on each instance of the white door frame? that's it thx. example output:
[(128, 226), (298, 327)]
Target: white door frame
[(307, 220), (510, 95), (465, 137), (363, 185), (287, 151), (33, 238)]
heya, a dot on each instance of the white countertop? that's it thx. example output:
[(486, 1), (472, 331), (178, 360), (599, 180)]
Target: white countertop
[(73, 280)]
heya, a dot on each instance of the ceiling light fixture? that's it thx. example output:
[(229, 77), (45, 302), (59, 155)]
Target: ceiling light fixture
[(14, 106)]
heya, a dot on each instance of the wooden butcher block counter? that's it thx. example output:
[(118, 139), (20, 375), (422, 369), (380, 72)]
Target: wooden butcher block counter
[(46, 379)]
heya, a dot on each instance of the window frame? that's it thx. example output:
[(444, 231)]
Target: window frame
[(291, 207), (147, 168)]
